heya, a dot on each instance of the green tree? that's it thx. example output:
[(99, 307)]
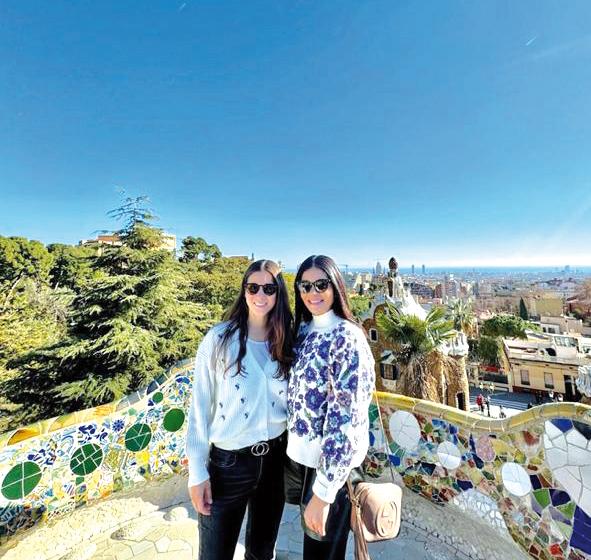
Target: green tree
[(20, 259), (217, 284), (488, 350), (127, 325), (461, 314), (416, 343), (72, 265), (506, 325), (523, 310), (360, 305), (197, 249)]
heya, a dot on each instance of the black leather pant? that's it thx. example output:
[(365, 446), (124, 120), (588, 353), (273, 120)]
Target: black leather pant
[(299, 480), (240, 481)]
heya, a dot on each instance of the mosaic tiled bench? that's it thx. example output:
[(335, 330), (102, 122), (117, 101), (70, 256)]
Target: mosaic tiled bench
[(528, 477)]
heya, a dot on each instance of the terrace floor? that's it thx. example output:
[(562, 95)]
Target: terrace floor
[(427, 533)]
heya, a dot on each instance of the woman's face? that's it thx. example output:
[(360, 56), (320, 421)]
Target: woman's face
[(260, 304), (317, 302)]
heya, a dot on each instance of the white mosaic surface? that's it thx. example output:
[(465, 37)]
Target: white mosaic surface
[(569, 457), (405, 430), (474, 502), (449, 455), (516, 479)]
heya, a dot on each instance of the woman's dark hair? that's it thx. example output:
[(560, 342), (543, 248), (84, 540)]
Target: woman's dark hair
[(279, 321), (341, 302)]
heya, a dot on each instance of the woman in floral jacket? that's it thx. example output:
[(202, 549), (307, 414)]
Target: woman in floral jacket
[(330, 388)]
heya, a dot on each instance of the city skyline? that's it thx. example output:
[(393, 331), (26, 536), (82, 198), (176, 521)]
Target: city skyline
[(446, 135)]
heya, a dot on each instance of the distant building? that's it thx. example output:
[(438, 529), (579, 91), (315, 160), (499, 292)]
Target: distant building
[(560, 325), (412, 269), (423, 270), (545, 363), (420, 289), (379, 269), (579, 305), (543, 304)]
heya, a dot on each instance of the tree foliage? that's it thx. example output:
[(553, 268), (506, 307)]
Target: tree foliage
[(506, 325), (21, 259), (416, 343), (197, 249), (359, 305), (71, 266), (127, 323), (488, 349), (461, 314)]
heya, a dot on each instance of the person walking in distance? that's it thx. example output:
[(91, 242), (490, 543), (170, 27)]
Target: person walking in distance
[(480, 402)]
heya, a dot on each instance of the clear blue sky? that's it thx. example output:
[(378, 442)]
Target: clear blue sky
[(445, 133)]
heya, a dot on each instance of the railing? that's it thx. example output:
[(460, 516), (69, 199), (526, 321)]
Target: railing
[(525, 356), (516, 474)]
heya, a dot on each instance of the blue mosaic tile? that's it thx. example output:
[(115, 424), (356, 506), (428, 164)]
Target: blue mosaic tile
[(426, 468), (395, 460), (584, 429), (559, 497), (535, 481), (563, 424), (581, 537), (465, 485)]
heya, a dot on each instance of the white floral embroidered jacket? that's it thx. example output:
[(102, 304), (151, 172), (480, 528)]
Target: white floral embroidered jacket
[(330, 388)]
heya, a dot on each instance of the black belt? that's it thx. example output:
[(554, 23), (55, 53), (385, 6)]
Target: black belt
[(262, 447)]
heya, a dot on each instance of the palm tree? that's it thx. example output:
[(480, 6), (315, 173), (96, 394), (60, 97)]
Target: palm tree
[(462, 315), (416, 341)]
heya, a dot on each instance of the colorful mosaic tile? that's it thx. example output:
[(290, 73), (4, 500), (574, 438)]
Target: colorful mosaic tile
[(528, 476)]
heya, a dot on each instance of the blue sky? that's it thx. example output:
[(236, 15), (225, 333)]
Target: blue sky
[(446, 133)]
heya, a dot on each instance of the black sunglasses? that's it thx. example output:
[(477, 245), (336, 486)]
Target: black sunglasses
[(320, 285), (253, 288)]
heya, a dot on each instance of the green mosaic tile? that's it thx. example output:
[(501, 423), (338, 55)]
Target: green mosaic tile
[(174, 419), (567, 509), (86, 459), (157, 397), (519, 457), (542, 497), (428, 428), (565, 529), (138, 437), (373, 413), (21, 480)]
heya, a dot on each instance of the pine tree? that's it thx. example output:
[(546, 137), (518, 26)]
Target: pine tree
[(523, 310), (130, 321)]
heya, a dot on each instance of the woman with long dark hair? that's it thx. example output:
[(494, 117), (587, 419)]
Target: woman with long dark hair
[(236, 437), (330, 388)]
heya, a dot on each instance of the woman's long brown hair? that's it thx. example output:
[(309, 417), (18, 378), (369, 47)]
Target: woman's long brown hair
[(279, 322)]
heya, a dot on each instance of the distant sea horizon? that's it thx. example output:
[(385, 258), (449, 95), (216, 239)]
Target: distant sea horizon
[(476, 270)]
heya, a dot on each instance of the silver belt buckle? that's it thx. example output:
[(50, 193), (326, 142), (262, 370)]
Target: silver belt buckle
[(260, 448)]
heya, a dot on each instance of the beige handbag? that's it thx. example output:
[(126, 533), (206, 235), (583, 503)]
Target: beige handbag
[(375, 508)]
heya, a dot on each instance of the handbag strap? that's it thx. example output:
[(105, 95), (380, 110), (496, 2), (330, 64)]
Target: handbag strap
[(386, 446)]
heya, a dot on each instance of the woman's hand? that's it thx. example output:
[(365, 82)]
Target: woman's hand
[(201, 497), (315, 515)]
